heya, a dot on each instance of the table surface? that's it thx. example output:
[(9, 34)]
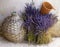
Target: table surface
[(4, 43)]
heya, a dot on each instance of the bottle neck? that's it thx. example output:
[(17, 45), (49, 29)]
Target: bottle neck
[(13, 14)]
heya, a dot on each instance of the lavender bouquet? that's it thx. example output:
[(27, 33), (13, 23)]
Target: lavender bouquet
[(36, 23)]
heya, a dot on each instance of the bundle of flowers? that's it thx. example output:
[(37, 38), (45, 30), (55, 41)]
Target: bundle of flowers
[(35, 22)]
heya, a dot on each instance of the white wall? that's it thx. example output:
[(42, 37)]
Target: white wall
[(7, 6)]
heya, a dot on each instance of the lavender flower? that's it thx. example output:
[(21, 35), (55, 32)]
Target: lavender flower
[(36, 21), (43, 22)]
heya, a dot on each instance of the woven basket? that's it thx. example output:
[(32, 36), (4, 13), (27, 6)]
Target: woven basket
[(12, 28), (14, 38), (44, 38)]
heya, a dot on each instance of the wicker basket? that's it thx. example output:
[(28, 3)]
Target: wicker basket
[(12, 28), (44, 38)]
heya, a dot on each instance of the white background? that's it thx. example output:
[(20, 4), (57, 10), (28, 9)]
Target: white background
[(7, 6)]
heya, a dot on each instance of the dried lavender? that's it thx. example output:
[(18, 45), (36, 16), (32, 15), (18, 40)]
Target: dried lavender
[(29, 14), (36, 20), (43, 22)]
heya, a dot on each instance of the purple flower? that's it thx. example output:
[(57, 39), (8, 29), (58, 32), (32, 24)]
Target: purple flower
[(36, 22)]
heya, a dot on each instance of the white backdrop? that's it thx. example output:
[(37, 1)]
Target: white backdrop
[(7, 6)]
